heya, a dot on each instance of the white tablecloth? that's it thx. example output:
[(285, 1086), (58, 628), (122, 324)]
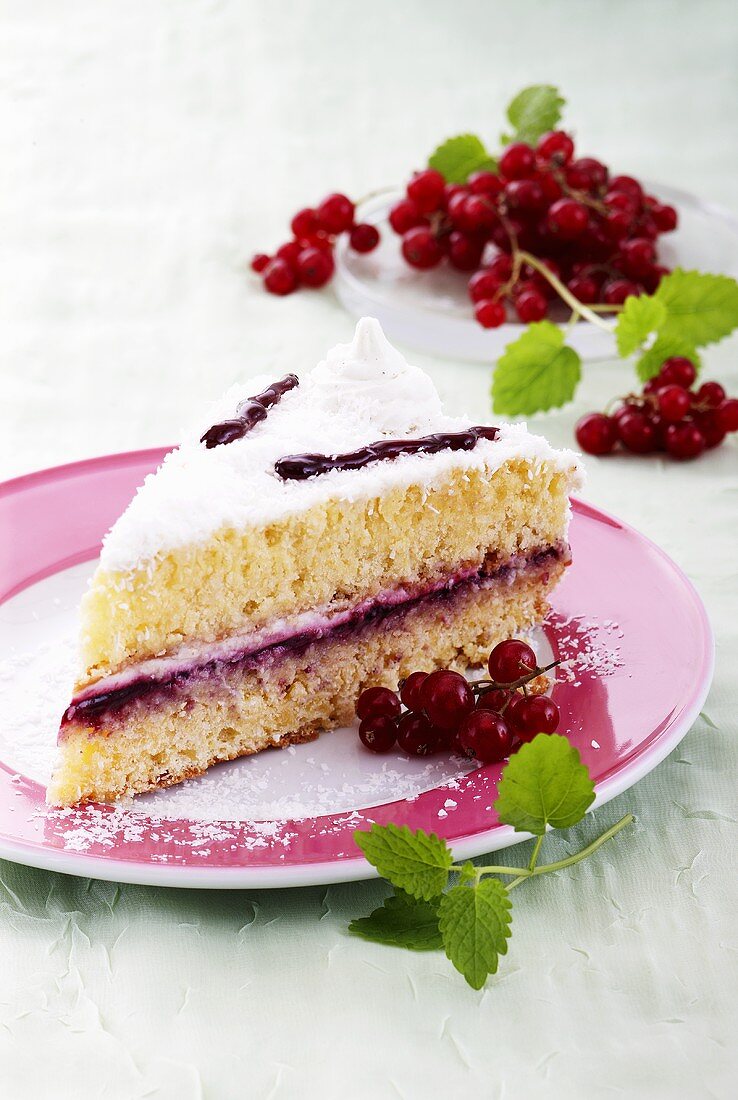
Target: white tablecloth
[(147, 148)]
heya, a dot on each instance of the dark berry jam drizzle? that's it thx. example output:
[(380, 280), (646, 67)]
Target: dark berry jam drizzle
[(301, 467), (249, 413)]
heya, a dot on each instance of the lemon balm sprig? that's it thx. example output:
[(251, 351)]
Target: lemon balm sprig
[(464, 909)]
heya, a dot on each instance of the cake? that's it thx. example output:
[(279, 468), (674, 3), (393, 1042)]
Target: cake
[(310, 538)]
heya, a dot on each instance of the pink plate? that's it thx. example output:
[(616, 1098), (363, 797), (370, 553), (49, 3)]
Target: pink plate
[(639, 654)]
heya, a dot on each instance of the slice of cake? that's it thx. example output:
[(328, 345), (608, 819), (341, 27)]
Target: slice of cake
[(312, 537)]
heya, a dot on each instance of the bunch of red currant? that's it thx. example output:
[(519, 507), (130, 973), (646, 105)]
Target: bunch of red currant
[(446, 712), (307, 259), (669, 415), (593, 232)]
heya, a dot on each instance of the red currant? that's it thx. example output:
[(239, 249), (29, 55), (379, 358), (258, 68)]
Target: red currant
[(464, 252), (335, 213), (279, 278), (377, 702), (378, 734), (659, 426), (710, 395), (456, 209), (416, 735), (596, 434), (260, 262), (534, 714), (677, 371), (420, 248), (485, 736), (665, 216), (709, 424), (587, 174), (674, 402), (584, 288), (637, 433), (364, 237), (484, 284), (616, 291), (305, 223), (638, 255), (684, 441), (410, 690), (518, 161), (567, 219), (289, 252), (495, 699), (490, 314), (478, 213), (405, 215), (622, 202), (315, 266), (530, 306), (318, 240), (551, 187), (629, 185), (510, 660), (526, 195), (618, 225), (555, 146), (450, 191), (501, 266), (426, 190), (485, 183), (727, 414), (447, 698)]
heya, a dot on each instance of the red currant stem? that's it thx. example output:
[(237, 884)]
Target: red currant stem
[(580, 196), (565, 293), (375, 194), (571, 323), (484, 686), (560, 864)]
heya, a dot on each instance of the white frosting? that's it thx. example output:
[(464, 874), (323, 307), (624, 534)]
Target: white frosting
[(360, 393)]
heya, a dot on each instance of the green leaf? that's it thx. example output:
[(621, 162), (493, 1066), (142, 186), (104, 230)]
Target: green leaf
[(403, 921), (475, 925), (700, 308), (458, 157), (663, 348), (467, 872), (416, 862), (533, 112), (641, 315), (536, 372), (544, 783)]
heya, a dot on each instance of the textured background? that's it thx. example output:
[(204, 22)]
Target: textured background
[(146, 148)]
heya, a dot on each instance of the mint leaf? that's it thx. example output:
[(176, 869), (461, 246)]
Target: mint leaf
[(533, 112), (700, 308), (544, 783), (458, 157), (416, 862), (475, 925), (402, 921), (536, 372), (467, 872), (663, 348), (641, 315)]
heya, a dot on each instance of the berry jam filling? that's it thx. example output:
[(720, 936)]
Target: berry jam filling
[(91, 709), (249, 413), (301, 467)]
